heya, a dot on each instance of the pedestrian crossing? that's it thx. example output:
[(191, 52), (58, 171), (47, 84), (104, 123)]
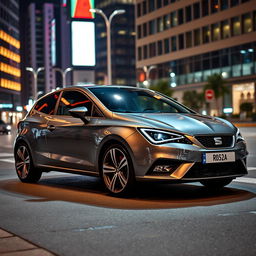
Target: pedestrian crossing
[(7, 157)]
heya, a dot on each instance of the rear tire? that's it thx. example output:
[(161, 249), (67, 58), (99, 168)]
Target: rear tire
[(216, 184), (117, 170), (24, 165)]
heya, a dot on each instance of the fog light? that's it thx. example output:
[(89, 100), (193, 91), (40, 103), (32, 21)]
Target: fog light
[(164, 169)]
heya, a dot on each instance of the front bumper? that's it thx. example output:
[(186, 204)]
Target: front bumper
[(185, 161)]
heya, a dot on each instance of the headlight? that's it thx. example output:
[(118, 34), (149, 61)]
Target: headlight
[(8, 127), (239, 136), (158, 136)]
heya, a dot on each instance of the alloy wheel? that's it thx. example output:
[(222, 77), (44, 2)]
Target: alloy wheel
[(22, 162), (115, 170)]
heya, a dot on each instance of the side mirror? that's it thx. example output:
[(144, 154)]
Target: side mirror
[(80, 112)]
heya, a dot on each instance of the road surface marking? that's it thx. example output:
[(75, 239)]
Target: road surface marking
[(6, 154), (246, 180), (251, 168), (7, 160)]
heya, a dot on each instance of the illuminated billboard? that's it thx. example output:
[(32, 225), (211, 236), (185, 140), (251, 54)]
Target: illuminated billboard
[(80, 9), (83, 43), (53, 42)]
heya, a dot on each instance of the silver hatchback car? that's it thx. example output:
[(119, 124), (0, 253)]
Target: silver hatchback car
[(125, 134)]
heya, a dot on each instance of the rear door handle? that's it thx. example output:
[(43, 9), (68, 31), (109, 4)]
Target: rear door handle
[(51, 127)]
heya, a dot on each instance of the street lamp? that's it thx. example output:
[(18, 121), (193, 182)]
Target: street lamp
[(35, 75), (147, 71), (108, 28), (63, 74)]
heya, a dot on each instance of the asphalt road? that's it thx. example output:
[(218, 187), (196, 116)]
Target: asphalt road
[(73, 215)]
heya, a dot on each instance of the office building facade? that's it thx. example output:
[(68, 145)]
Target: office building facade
[(10, 86), (188, 41), (122, 42)]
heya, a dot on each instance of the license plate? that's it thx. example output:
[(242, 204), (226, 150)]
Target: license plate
[(218, 157)]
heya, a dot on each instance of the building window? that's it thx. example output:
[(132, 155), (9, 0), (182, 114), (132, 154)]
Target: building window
[(214, 6), (188, 13), (145, 30), (254, 20), (138, 10), (166, 2), (166, 45), (223, 4), (197, 38), (205, 8), (236, 26), (144, 7), (234, 2), (152, 50), (206, 34), (139, 53), (151, 5), (181, 41), (215, 32), (152, 27), (145, 51), (225, 29), (173, 43), (158, 3), (139, 31), (188, 39), (196, 10), (174, 19), (180, 16), (159, 47), (166, 22), (247, 23), (160, 24)]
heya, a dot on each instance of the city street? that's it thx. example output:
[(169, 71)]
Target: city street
[(73, 215)]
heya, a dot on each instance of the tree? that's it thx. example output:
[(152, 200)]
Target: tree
[(163, 87), (193, 100), (217, 84)]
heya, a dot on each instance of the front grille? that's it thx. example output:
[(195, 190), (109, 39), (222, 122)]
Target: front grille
[(210, 141), (199, 170)]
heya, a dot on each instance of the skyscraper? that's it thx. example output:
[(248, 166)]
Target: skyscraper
[(10, 86)]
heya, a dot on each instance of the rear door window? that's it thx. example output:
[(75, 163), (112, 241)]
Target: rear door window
[(47, 104), (73, 99)]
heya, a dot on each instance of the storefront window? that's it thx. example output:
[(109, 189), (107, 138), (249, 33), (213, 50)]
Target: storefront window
[(225, 29), (215, 32), (236, 26), (247, 23)]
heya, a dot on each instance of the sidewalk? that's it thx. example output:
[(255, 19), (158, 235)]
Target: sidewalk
[(12, 245)]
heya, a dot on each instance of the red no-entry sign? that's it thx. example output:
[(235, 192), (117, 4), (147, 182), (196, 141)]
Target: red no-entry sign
[(209, 94)]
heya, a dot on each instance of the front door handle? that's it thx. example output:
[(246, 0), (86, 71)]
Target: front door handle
[(51, 127)]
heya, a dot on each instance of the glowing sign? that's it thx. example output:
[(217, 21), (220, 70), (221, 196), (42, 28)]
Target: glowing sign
[(83, 43), (53, 42), (80, 9)]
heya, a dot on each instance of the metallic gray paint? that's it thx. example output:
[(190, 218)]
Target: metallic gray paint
[(77, 147)]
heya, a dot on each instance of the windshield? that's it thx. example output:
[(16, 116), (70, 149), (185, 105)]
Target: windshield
[(129, 100)]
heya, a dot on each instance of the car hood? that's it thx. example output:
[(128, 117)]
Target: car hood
[(193, 124)]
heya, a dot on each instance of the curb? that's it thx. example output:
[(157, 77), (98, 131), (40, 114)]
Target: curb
[(13, 245)]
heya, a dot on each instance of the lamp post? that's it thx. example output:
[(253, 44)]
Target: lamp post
[(147, 71), (35, 75), (63, 74), (108, 29)]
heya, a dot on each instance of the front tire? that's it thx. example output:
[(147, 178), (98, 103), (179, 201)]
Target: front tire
[(216, 184), (117, 170), (24, 165)]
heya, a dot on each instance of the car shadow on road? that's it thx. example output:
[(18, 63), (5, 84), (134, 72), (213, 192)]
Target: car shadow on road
[(90, 191)]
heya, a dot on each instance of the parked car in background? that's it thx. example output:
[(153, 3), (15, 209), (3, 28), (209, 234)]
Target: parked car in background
[(5, 128), (124, 134)]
